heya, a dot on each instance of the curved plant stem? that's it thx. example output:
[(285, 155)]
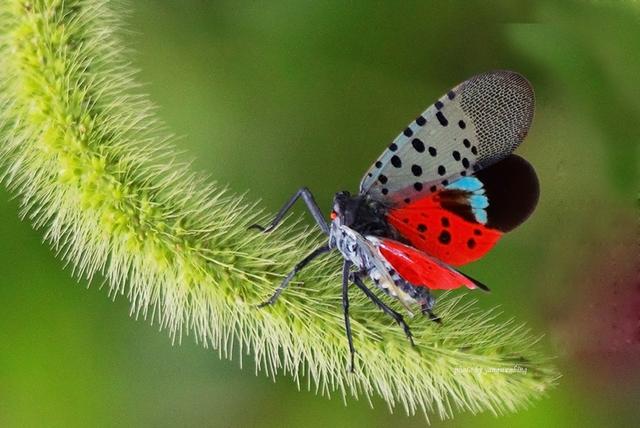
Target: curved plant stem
[(92, 168)]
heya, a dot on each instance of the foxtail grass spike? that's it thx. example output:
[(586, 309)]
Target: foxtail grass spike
[(95, 171)]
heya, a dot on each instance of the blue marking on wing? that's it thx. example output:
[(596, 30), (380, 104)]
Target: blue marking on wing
[(477, 199), (480, 215), (468, 184)]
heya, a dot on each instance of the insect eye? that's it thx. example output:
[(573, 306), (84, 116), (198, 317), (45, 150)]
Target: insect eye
[(333, 215)]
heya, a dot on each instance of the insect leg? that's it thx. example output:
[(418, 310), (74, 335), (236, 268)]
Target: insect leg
[(357, 279), (312, 206), (297, 268), (345, 307), (433, 317), (426, 307)]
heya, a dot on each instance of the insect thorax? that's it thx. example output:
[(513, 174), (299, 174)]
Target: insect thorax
[(362, 215)]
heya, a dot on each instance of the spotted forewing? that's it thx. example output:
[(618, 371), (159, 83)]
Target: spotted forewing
[(474, 125)]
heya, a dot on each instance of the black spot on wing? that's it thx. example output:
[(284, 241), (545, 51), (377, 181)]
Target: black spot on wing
[(418, 145), (444, 237), (443, 120)]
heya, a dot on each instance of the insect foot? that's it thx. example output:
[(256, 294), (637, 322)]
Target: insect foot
[(261, 228)]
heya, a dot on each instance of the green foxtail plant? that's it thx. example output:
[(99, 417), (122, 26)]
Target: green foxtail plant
[(94, 169)]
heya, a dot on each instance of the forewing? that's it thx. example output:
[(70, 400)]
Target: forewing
[(476, 124), (420, 269)]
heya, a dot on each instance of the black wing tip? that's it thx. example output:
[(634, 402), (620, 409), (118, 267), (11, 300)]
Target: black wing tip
[(481, 286), (513, 189), (477, 283)]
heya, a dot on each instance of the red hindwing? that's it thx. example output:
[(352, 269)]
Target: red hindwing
[(441, 233)]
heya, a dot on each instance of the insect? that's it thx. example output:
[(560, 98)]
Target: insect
[(440, 196)]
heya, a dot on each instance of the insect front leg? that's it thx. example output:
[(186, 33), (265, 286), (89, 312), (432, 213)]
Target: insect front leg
[(357, 280), (311, 204), (297, 268), (345, 307)]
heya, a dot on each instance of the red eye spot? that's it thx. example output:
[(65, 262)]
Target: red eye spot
[(333, 215)]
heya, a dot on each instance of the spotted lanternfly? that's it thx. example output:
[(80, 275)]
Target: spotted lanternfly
[(441, 195)]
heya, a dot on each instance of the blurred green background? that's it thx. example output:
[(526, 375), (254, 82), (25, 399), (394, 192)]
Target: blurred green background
[(270, 96)]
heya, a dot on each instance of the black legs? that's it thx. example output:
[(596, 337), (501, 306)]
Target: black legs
[(357, 280), (317, 216), (424, 299), (433, 317), (297, 268), (345, 294), (345, 308), (307, 197), (426, 304)]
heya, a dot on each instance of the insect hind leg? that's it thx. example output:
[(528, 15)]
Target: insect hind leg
[(297, 268), (357, 279), (427, 302), (346, 267), (311, 204)]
